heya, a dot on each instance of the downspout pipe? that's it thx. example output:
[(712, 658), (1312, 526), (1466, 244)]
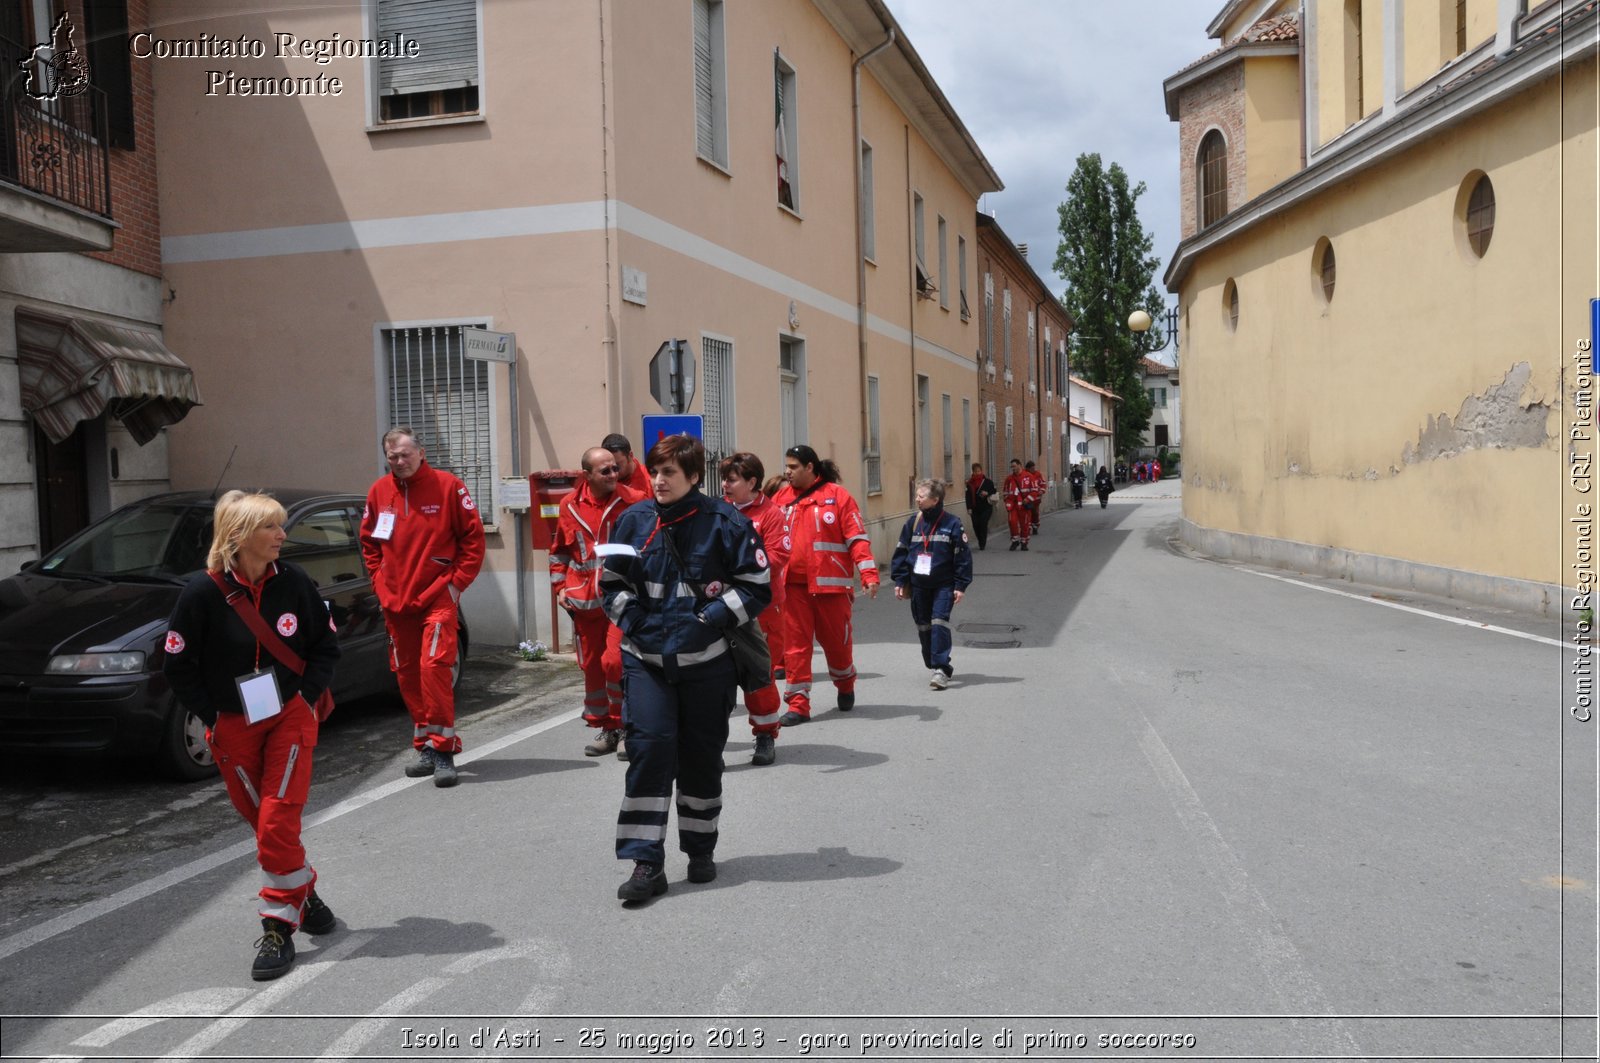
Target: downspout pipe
[(861, 248)]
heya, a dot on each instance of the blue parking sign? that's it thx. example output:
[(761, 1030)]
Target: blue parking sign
[(656, 426)]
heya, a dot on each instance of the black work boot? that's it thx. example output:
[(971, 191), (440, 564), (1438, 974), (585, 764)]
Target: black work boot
[(275, 951), (647, 880), (445, 772), (424, 765), (766, 750), (316, 917), (702, 868), (847, 701)]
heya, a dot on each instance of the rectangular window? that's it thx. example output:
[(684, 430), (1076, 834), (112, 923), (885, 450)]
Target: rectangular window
[(991, 456), (106, 33), (1061, 367), (966, 435), (1011, 444), (1032, 344), (869, 220), (444, 397), (716, 391), (1033, 436), (786, 132), (1005, 332), (874, 457), (961, 273), (923, 280), (444, 78), (944, 268), (792, 390), (710, 83), (988, 318), (949, 443), (924, 430), (1049, 357)]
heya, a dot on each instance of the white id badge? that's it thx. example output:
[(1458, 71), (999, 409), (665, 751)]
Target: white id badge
[(258, 693), (385, 529), (923, 566)]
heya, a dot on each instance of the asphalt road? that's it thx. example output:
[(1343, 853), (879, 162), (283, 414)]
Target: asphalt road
[(1168, 808)]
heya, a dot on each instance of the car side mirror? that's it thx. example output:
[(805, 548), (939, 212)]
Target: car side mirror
[(29, 565)]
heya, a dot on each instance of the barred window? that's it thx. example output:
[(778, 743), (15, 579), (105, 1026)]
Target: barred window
[(444, 397), (1480, 216), (716, 397)]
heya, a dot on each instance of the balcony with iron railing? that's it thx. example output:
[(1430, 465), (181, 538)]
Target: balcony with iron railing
[(55, 174)]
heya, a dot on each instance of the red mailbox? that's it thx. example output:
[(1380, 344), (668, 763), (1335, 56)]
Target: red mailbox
[(548, 489)]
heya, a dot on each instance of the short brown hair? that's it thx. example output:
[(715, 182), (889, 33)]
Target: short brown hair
[(743, 464), (686, 452)]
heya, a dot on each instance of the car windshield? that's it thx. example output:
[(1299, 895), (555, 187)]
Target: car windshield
[(160, 541)]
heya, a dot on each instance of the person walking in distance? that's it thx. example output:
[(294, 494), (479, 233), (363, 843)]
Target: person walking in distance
[(585, 519), (830, 547), (1076, 478), (422, 541), (932, 566), (1036, 489), (681, 572), (742, 473), (1017, 488), (981, 492), (250, 650)]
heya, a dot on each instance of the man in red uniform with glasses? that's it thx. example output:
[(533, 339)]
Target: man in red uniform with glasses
[(422, 541)]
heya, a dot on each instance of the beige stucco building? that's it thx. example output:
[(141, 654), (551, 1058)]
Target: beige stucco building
[(1389, 248), (596, 178)]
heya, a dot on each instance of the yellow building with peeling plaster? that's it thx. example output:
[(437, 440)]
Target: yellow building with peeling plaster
[(1389, 248)]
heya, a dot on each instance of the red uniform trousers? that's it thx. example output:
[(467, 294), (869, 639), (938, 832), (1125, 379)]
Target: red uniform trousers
[(1021, 523), (422, 654), (763, 705), (266, 767), (824, 618), (600, 657)]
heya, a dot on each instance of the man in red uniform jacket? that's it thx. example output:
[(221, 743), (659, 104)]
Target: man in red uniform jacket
[(830, 545), (422, 541), (631, 473), (585, 521), (742, 473), (1038, 485), (1017, 489)]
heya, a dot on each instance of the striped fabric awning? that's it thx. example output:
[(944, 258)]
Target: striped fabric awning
[(74, 369)]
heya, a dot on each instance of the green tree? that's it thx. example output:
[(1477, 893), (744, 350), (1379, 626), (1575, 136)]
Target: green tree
[(1105, 258)]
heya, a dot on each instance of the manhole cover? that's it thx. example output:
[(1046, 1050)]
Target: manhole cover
[(988, 629), (991, 644)]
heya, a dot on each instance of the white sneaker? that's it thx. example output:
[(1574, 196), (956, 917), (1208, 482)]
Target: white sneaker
[(938, 681)]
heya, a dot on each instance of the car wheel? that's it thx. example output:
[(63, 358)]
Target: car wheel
[(184, 753), (461, 659)]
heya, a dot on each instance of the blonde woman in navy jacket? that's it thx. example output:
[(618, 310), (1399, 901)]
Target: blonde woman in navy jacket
[(681, 570)]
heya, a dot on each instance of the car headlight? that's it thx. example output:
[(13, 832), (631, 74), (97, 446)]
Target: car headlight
[(96, 663)]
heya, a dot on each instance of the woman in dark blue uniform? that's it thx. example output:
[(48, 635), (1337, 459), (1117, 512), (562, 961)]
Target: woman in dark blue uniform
[(932, 566), (681, 571)]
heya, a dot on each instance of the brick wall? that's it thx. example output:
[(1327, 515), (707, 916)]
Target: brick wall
[(1216, 102), (137, 244)]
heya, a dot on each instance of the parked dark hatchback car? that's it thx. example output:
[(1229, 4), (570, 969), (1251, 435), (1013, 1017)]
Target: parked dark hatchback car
[(82, 629)]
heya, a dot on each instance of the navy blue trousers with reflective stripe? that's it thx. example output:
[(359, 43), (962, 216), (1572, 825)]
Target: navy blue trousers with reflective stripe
[(675, 734), (930, 610)]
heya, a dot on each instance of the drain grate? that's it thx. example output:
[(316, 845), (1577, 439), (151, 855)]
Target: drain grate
[(988, 629), (991, 644)]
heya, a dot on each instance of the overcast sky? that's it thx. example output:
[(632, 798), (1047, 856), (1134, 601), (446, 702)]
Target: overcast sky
[(1040, 82)]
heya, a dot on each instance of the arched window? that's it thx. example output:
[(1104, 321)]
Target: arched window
[(1213, 174)]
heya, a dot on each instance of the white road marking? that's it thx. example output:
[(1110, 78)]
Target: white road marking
[(1280, 962), (1557, 643), (133, 894), (356, 1037), (266, 1001), (211, 1001)]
